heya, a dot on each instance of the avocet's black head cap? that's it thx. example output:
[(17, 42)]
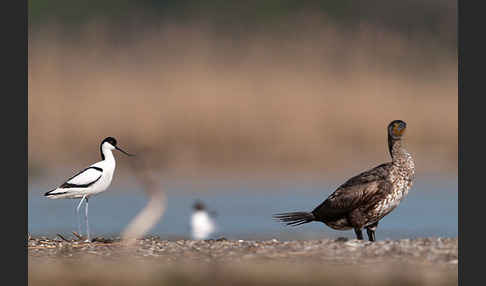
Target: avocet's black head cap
[(198, 206), (110, 140), (396, 129)]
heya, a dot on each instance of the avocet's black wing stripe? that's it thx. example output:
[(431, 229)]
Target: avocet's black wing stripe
[(79, 173), (84, 179), (51, 193), (68, 185)]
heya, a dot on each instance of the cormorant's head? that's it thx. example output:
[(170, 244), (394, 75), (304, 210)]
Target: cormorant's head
[(396, 129)]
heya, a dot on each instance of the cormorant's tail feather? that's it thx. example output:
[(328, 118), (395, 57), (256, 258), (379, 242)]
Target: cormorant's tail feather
[(295, 218)]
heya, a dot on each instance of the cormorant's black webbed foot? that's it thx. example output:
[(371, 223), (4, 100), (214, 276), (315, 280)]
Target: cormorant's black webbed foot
[(359, 233), (370, 230), (371, 234)]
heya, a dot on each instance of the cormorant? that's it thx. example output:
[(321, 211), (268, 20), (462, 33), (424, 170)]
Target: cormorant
[(363, 200)]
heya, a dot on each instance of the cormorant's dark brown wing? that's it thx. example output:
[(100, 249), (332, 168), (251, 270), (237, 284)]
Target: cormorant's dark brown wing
[(360, 190)]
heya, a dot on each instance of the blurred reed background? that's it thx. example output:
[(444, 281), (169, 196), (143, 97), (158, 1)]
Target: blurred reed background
[(253, 86)]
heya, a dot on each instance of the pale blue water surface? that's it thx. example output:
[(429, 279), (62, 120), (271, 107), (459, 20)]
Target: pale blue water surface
[(244, 208)]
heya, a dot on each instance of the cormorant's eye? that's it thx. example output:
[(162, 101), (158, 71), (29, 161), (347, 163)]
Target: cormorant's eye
[(398, 129)]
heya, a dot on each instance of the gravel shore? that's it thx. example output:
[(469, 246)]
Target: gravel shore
[(422, 261), (341, 250)]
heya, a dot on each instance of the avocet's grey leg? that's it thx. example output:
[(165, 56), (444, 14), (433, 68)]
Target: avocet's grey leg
[(87, 223), (78, 217)]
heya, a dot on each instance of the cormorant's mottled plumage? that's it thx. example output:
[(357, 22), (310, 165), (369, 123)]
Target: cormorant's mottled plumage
[(366, 198)]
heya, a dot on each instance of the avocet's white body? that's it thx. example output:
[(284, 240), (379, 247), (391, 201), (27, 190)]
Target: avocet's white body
[(91, 181)]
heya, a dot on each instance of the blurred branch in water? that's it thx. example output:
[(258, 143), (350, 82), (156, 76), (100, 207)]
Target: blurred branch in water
[(143, 168)]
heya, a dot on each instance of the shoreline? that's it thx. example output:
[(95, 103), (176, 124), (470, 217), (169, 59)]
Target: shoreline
[(151, 261), (438, 250)]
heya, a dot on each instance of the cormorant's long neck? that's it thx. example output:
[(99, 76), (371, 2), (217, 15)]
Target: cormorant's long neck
[(397, 152)]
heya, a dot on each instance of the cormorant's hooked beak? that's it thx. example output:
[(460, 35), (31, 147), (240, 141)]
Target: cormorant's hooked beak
[(119, 149)]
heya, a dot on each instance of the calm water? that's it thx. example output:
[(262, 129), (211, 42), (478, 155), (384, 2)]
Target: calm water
[(244, 209)]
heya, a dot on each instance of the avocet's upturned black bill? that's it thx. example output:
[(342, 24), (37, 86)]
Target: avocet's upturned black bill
[(112, 141), (91, 181)]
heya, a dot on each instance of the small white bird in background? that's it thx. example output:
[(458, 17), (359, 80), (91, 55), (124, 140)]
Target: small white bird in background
[(91, 181), (202, 224)]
